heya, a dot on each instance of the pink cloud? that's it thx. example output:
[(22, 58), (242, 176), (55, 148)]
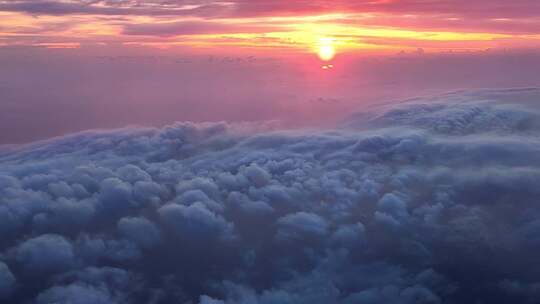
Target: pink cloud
[(250, 8), (193, 28)]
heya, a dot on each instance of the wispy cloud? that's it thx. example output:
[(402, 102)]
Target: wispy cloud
[(517, 19)]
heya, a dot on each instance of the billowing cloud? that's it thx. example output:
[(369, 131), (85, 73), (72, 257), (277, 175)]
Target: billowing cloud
[(431, 200), (301, 225), (45, 253), (7, 281), (139, 230)]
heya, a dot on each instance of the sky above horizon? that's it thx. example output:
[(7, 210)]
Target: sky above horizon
[(74, 65), (374, 26)]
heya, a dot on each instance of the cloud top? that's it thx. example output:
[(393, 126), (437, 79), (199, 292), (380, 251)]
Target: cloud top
[(432, 200)]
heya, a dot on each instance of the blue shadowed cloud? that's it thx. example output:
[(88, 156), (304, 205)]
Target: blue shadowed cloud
[(430, 200)]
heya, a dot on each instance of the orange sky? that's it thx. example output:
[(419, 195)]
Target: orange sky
[(377, 26)]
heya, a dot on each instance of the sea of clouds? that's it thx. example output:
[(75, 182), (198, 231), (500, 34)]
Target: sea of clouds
[(430, 200)]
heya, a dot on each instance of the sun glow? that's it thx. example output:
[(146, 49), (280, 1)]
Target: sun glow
[(326, 51)]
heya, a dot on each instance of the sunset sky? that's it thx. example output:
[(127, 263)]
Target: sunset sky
[(376, 26), (111, 63)]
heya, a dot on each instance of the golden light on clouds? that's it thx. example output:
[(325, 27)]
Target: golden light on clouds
[(323, 34)]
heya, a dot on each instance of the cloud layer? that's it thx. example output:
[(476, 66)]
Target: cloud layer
[(428, 201)]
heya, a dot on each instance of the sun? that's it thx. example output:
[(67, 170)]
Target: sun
[(326, 51)]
